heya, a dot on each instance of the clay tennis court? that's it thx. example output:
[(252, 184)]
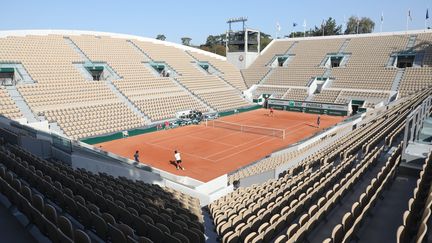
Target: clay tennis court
[(208, 152)]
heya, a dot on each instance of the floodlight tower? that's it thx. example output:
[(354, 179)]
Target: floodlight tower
[(242, 46)]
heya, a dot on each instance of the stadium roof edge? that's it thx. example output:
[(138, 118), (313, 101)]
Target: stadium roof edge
[(410, 32), (8, 33)]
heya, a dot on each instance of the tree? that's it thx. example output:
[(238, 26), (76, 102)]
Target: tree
[(364, 24), (161, 37), (216, 43), (328, 27), (265, 40), (215, 40), (186, 41)]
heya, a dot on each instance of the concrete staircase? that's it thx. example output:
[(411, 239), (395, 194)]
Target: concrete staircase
[(56, 128), (21, 104), (310, 97), (397, 79), (327, 73), (411, 42), (345, 60), (126, 100), (26, 78), (83, 71), (266, 75), (147, 58), (344, 45), (291, 47), (78, 50)]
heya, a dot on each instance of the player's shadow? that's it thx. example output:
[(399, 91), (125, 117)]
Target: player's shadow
[(311, 125), (173, 163)]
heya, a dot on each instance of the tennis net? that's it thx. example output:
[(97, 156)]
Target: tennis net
[(273, 132)]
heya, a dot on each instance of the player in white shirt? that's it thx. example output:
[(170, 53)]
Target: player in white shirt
[(178, 160)]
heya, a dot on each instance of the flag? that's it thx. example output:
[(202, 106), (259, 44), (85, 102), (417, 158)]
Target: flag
[(382, 17), (409, 14), (427, 13), (278, 27), (304, 23), (294, 24)]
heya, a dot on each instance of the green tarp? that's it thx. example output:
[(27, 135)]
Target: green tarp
[(7, 70)]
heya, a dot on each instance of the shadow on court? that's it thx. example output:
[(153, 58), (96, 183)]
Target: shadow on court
[(173, 163)]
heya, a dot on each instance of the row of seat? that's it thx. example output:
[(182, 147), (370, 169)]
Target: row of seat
[(416, 218), (346, 230), (91, 120), (102, 205), (56, 227)]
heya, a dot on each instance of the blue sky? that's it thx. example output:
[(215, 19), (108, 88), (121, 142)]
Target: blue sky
[(200, 18)]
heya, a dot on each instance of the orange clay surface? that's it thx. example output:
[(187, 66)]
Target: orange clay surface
[(209, 152)]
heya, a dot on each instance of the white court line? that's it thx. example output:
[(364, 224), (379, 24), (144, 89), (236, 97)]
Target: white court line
[(208, 140), (166, 148), (246, 149), (236, 146), (260, 143)]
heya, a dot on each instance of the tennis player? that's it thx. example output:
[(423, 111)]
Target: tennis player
[(178, 160), (271, 112)]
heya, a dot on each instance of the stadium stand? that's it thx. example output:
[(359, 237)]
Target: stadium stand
[(327, 96), (373, 97), (369, 67), (158, 97), (415, 79), (296, 94), (277, 92), (298, 201), (259, 68), (210, 88), (364, 72), (305, 64), (229, 72), (68, 205), (51, 66)]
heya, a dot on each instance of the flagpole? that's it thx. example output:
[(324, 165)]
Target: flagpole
[(304, 28), (382, 20), (407, 21)]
